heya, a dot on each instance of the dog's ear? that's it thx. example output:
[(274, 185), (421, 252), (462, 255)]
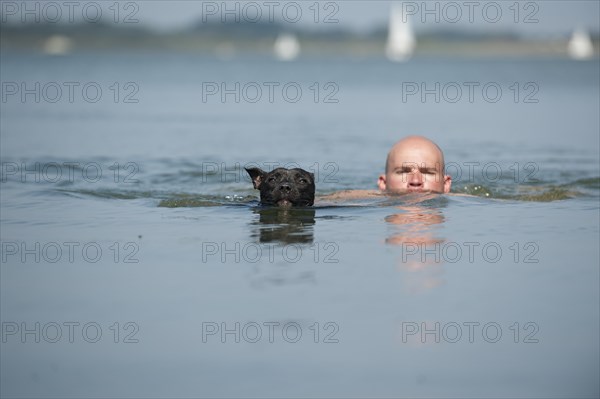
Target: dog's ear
[(256, 174)]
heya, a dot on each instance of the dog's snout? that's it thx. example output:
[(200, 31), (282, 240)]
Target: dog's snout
[(285, 186)]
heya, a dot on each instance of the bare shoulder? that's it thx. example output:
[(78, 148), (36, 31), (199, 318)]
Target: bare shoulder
[(350, 194)]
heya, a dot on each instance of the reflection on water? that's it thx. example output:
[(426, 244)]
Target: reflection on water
[(286, 235), (415, 228), (285, 226), (265, 275)]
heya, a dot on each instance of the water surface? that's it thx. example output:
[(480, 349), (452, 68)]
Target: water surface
[(153, 224)]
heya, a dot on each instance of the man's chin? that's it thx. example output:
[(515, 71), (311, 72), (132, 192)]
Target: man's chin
[(415, 191)]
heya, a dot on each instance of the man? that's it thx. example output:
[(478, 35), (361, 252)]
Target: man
[(414, 164)]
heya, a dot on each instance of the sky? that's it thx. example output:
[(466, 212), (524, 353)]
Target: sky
[(545, 17), (530, 18)]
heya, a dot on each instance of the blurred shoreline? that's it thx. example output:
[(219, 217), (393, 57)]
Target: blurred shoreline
[(228, 40)]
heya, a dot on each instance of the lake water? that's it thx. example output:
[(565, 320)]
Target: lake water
[(136, 261)]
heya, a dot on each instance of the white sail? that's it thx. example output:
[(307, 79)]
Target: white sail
[(287, 47), (401, 38), (57, 45), (580, 46)]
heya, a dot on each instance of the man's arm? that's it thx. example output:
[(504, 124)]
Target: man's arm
[(350, 195)]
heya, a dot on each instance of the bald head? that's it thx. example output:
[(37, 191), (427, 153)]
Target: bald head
[(418, 143), (415, 163)]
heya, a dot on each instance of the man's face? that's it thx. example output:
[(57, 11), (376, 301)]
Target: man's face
[(415, 166)]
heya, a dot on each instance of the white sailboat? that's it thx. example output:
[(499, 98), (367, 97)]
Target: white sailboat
[(401, 40), (580, 46), (57, 45), (287, 47)]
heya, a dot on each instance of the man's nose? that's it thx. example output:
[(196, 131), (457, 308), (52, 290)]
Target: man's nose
[(415, 179)]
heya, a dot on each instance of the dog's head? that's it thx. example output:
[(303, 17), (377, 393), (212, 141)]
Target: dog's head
[(284, 187)]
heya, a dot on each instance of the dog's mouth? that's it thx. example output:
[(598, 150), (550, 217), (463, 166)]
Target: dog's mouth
[(287, 200), (284, 203)]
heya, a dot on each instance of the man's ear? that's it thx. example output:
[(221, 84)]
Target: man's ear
[(447, 183), (257, 175), (381, 182)]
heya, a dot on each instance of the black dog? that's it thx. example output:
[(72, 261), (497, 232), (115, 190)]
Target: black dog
[(284, 187)]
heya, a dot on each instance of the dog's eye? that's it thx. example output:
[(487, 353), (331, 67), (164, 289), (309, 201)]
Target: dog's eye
[(271, 179), (303, 181)]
